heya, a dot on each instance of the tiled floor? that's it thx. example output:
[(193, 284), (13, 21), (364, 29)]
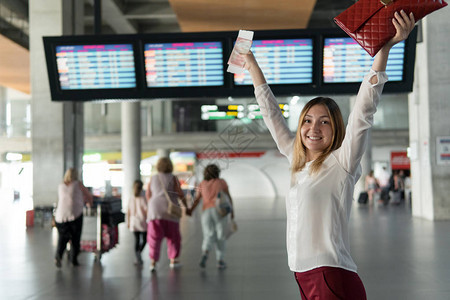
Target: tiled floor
[(399, 257)]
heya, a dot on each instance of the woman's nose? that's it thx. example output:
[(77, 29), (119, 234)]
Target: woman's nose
[(315, 126)]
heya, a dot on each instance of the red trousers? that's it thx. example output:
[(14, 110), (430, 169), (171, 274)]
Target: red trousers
[(157, 230), (329, 283)]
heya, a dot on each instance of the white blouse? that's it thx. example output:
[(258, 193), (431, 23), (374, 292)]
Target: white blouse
[(70, 202), (157, 204), (318, 206)]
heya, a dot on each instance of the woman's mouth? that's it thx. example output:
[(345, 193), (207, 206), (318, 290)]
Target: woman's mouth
[(314, 138)]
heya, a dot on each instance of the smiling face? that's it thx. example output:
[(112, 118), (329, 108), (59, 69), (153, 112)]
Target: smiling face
[(316, 131)]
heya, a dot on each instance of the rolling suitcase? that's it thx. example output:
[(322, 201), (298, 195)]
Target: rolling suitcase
[(384, 196), (363, 197)]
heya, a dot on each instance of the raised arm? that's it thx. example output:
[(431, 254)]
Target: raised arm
[(251, 65), (403, 24), (269, 107), (361, 117)]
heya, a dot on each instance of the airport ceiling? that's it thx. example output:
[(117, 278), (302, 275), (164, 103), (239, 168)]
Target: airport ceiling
[(149, 16)]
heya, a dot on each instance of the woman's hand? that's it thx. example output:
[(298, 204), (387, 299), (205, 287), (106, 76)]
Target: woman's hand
[(403, 24), (250, 60), (253, 68)]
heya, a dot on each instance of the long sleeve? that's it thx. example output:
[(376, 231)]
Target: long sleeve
[(360, 121), (274, 120)]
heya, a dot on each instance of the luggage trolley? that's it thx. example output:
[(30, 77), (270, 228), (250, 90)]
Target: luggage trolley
[(100, 226)]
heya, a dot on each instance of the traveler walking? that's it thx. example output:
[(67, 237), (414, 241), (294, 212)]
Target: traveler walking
[(137, 219), (72, 195), (397, 187), (214, 225), (371, 186), (383, 180), (160, 223)]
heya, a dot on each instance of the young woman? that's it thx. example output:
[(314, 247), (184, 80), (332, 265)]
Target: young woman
[(137, 219), (325, 163), (213, 225)]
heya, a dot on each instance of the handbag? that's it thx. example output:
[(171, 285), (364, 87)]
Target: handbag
[(231, 228), (173, 210), (223, 204), (369, 22)]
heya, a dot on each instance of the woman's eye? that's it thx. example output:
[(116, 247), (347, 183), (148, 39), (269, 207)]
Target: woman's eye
[(307, 121), (325, 122)]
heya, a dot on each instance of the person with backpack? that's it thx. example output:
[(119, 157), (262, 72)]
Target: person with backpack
[(214, 224)]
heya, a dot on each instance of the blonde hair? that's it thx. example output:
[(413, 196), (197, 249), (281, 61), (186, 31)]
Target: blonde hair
[(70, 175), (338, 129), (164, 165)]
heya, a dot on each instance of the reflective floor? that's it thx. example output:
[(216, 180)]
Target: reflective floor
[(399, 257)]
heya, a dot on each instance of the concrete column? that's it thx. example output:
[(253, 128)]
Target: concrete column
[(73, 24), (130, 119), (73, 135), (56, 127), (149, 122), (131, 147), (169, 125), (429, 108)]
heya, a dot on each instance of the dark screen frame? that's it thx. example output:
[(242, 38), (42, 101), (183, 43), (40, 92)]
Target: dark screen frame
[(287, 38), (229, 89), (58, 94), (187, 92), (284, 89), (402, 86)]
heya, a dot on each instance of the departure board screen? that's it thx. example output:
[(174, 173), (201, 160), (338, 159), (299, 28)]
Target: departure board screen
[(189, 64), (222, 112), (283, 61), (254, 111), (106, 66), (344, 61), (237, 111)]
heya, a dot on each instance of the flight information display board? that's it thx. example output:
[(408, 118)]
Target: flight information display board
[(344, 61), (188, 64), (106, 66), (237, 111), (283, 61), (254, 111), (222, 112)]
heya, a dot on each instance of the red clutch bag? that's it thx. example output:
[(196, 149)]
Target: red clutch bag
[(369, 22)]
